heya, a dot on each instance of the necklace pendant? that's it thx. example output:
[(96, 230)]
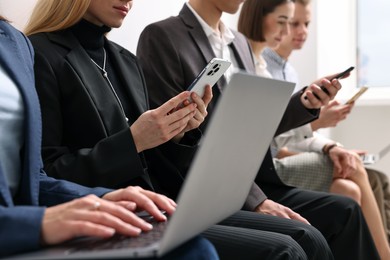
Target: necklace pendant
[(105, 74)]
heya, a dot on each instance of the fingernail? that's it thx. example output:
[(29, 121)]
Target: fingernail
[(111, 231), (149, 226)]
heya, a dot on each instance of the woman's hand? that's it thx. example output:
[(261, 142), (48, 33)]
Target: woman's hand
[(89, 216), (157, 126), (143, 200), (201, 108)]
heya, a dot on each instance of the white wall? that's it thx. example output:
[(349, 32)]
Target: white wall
[(331, 47)]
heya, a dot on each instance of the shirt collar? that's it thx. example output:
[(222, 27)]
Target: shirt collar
[(225, 33)]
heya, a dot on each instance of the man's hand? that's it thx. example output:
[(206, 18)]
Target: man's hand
[(345, 162), (315, 97), (275, 209)]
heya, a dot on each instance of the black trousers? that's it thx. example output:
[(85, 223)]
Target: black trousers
[(249, 235), (338, 230), (338, 218)]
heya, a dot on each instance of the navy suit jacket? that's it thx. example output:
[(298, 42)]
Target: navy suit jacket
[(21, 216), (173, 51)]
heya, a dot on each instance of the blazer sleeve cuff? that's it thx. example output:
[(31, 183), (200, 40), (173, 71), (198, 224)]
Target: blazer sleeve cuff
[(255, 197)]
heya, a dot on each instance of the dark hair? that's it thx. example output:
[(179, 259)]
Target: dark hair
[(303, 2), (250, 22)]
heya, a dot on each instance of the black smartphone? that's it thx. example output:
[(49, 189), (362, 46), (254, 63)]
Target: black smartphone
[(345, 72), (338, 76)]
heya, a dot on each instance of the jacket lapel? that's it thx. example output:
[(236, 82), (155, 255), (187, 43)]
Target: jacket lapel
[(135, 90), (96, 86), (199, 37), (20, 69)]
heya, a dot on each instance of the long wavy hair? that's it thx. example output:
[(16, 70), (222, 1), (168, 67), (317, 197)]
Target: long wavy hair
[(54, 15)]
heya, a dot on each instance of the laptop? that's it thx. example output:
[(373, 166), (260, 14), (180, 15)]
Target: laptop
[(221, 174), (374, 158)]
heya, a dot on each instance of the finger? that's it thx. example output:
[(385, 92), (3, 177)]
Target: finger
[(337, 166), (208, 95), (199, 102), (311, 101), (129, 205), (147, 201), (162, 202), (333, 103), (115, 214), (298, 217), (86, 228), (173, 103), (102, 217), (179, 123)]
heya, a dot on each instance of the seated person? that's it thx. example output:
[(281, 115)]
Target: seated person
[(98, 129), (187, 42), (38, 211), (330, 116)]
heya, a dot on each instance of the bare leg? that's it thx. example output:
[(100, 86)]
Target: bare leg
[(371, 211), (347, 188)]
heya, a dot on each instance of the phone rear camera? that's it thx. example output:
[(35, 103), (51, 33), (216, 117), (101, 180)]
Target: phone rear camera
[(215, 66), (210, 73)]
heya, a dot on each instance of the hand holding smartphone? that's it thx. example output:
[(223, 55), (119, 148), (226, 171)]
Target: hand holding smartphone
[(209, 75), (338, 76)]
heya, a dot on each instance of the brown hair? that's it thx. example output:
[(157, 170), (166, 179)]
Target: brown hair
[(303, 2), (250, 22)]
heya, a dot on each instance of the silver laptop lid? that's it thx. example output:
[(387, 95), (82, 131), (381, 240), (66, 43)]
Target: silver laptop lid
[(223, 170), (384, 151), (374, 158), (230, 155)]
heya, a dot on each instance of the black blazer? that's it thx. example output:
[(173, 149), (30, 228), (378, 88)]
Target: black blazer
[(85, 136), (173, 51)]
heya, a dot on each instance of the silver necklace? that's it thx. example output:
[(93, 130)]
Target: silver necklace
[(105, 75)]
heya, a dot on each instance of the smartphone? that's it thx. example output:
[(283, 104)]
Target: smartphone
[(345, 72), (338, 76), (357, 95), (209, 75)]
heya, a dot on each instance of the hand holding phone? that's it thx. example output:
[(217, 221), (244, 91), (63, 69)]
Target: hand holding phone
[(338, 76), (209, 75)]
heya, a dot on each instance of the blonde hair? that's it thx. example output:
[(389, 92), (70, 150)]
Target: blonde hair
[(54, 15)]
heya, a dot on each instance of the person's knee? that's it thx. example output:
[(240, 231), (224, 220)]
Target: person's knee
[(289, 249), (313, 242), (347, 188)]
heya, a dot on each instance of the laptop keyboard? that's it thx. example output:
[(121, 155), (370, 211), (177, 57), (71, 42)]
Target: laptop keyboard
[(119, 241)]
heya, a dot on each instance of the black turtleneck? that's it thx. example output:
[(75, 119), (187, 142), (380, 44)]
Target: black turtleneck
[(92, 38)]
